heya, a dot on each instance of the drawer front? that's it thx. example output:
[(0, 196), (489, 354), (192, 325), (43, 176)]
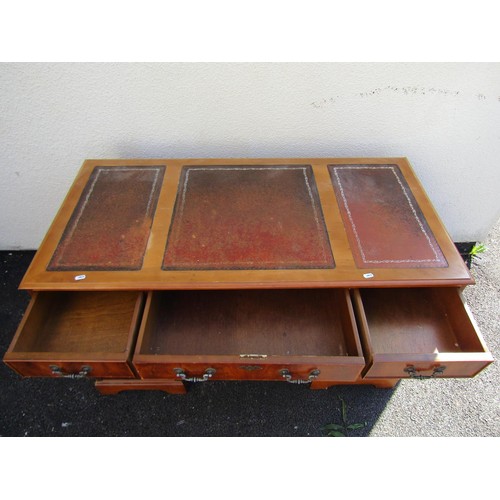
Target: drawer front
[(77, 335), (300, 371), (72, 369), (445, 366)]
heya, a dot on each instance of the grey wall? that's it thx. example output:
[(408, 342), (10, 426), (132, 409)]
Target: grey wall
[(444, 117)]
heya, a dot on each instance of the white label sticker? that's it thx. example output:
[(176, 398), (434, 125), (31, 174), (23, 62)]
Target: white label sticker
[(368, 275), (80, 277)]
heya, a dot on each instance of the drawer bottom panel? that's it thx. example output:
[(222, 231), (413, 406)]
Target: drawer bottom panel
[(419, 333), (77, 334)]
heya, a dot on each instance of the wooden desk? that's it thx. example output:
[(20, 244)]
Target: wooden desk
[(323, 271)]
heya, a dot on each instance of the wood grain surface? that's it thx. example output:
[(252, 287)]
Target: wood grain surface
[(244, 246)]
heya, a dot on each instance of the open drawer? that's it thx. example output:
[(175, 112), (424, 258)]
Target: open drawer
[(418, 332), (77, 334), (294, 335)]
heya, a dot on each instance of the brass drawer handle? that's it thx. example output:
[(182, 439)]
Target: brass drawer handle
[(288, 376), (180, 373), (84, 372), (413, 372)]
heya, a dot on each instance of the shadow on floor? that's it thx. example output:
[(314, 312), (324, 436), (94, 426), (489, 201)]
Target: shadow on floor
[(65, 407)]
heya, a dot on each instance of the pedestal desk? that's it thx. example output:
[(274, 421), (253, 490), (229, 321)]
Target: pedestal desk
[(319, 271)]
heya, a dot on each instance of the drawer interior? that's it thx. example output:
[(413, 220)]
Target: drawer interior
[(86, 322), (418, 321), (233, 322)]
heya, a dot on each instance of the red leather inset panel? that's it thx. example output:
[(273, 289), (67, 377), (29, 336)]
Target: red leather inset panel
[(384, 224), (247, 217), (110, 226)]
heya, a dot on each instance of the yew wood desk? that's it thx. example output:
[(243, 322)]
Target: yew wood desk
[(317, 271)]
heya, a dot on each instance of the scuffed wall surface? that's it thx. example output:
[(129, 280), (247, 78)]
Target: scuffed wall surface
[(444, 117)]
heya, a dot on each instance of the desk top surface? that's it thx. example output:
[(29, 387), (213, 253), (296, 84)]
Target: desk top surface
[(245, 223)]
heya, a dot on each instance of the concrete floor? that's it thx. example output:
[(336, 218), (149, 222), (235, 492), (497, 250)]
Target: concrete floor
[(445, 407), (457, 407)]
